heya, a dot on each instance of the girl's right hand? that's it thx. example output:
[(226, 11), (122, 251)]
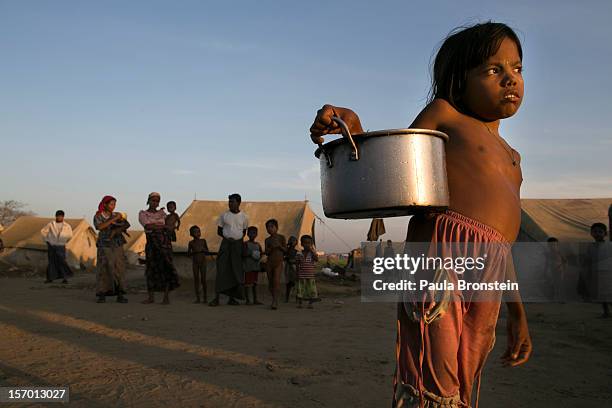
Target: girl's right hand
[(323, 123)]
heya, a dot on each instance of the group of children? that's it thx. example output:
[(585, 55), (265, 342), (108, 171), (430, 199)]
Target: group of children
[(278, 256)]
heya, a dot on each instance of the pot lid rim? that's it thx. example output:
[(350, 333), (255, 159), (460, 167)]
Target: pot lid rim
[(385, 132)]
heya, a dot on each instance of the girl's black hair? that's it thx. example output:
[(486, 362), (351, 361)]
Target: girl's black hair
[(273, 222), (463, 49), (251, 228)]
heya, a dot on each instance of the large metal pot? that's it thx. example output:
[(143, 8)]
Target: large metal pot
[(386, 173)]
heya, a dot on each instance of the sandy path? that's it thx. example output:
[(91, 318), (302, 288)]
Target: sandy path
[(340, 354)]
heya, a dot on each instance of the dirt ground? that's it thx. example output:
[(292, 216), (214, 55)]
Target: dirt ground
[(341, 354)]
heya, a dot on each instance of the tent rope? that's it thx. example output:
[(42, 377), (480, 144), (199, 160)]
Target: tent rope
[(333, 232)]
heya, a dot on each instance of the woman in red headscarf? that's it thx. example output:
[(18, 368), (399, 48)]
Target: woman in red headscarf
[(110, 273)]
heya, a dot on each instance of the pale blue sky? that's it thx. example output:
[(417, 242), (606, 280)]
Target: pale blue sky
[(201, 98)]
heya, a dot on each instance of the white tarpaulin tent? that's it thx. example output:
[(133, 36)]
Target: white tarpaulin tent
[(568, 220), (25, 247)]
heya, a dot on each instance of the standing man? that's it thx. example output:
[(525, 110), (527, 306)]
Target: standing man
[(595, 264), (610, 220), (56, 234), (232, 226)]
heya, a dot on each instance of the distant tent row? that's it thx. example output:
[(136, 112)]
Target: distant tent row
[(568, 220), (25, 247), (294, 218)]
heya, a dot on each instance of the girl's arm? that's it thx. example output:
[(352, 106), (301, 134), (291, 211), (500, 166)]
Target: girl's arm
[(519, 346), (435, 116), (324, 124)]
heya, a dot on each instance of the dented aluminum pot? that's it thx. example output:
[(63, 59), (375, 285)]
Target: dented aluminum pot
[(385, 173)]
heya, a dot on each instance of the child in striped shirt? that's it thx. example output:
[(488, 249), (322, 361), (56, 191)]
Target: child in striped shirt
[(306, 262)]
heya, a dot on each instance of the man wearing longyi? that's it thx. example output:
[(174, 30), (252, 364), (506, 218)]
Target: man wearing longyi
[(442, 347), (231, 227)]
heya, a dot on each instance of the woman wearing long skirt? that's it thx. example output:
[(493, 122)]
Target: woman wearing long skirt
[(160, 272), (110, 270)]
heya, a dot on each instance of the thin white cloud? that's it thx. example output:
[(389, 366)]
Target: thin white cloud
[(182, 172), (263, 165), (569, 187), (306, 180), (228, 46), (310, 173), (293, 185)]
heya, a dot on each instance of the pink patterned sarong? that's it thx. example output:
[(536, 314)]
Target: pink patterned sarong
[(442, 345)]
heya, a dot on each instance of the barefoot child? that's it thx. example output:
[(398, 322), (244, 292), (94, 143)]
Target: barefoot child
[(173, 221), (276, 246), (290, 267), (251, 264), (476, 82), (306, 263), (197, 251)]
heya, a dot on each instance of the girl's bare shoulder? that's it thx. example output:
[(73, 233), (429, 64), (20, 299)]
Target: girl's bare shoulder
[(439, 114)]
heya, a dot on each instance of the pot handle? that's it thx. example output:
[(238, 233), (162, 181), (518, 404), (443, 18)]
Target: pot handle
[(328, 158), (347, 134)]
